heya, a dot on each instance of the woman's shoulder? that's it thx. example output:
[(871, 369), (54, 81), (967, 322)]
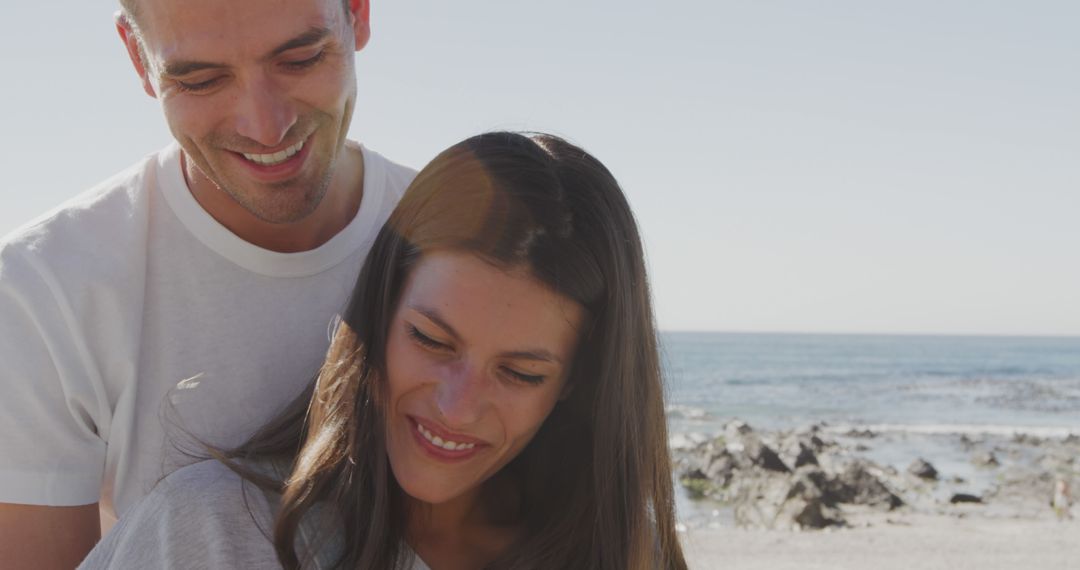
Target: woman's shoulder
[(206, 472), (203, 512), (208, 484)]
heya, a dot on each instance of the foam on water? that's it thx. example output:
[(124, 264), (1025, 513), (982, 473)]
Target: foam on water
[(957, 429)]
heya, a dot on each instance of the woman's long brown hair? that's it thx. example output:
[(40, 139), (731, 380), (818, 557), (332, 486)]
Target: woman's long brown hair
[(594, 486)]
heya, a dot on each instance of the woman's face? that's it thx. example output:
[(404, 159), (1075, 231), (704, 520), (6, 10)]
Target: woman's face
[(476, 359)]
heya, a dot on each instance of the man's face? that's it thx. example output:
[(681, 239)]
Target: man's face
[(259, 93)]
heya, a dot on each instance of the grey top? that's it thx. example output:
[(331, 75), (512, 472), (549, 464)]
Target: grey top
[(206, 516)]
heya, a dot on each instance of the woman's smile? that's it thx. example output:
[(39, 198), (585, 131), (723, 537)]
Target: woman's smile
[(444, 446)]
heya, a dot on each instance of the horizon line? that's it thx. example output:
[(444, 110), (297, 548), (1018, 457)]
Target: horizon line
[(1065, 336)]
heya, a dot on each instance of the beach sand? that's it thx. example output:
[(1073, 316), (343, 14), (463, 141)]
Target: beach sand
[(901, 541)]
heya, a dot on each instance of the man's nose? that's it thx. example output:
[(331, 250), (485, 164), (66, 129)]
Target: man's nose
[(265, 114), (462, 395)]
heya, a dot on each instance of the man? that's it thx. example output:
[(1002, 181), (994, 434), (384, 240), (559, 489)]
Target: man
[(192, 293)]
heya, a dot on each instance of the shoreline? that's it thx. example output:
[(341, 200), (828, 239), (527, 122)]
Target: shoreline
[(839, 497)]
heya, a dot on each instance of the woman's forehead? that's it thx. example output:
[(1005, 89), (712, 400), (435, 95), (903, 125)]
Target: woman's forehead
[(477, 298)]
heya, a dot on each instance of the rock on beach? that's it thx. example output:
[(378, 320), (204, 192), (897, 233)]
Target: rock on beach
[(743, 468), (807, 479)]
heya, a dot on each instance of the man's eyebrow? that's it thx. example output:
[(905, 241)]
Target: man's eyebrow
[(312, 36), (181, 68), (184, 67), (534, 354)]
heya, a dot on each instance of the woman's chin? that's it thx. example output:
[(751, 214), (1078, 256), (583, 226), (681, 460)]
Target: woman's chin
[(426, 494)]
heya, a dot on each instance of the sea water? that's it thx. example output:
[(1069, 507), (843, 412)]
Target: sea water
[(917, 383)]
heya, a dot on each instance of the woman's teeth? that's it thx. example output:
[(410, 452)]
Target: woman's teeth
[(277, 157), (438, 441)]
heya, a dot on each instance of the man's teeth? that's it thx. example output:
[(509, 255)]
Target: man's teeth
[(277, 157), (447, 445)]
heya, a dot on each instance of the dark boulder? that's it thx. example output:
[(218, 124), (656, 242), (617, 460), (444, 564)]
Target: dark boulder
[(857, 485), (763, 456), (778, 501), (806, 456), (735, 428), (964, 498), (923, 469)]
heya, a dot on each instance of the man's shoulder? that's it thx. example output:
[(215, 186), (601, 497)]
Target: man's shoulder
[(394, 176), (97, 224)]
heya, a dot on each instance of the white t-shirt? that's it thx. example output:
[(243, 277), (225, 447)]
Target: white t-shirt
[(206, 516), (130, 293)]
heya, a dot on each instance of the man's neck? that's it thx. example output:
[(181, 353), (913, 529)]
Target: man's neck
[(336, 209)]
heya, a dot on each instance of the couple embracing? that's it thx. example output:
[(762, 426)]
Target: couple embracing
[(491, 395)]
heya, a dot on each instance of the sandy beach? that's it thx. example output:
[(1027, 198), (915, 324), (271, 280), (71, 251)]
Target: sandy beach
[(901, 541)]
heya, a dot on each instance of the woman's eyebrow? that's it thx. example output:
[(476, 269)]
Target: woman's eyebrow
[(433, 316), (539, 354)]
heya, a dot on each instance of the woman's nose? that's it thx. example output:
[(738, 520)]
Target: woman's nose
[(461, 395)]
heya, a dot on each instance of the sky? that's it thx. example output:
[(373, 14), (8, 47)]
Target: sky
[(831, 166)]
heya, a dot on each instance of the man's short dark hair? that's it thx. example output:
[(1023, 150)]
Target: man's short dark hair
[(131, 8)]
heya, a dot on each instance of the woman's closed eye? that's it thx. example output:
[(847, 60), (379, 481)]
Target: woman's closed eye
[(521, 376), (426, 341), (431, 344)]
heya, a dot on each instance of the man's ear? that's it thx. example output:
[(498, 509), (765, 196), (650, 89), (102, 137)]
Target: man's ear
[(131, 42), (360, 12)]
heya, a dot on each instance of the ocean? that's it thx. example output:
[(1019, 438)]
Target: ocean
[(923, 384)]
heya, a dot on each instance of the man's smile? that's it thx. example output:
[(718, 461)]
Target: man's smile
[(275, 158)]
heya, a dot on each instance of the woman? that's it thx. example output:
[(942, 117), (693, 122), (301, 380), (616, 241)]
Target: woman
[(492, 398)]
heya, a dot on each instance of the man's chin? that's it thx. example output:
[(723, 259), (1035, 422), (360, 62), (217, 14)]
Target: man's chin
[(281, 209), (284, 201)]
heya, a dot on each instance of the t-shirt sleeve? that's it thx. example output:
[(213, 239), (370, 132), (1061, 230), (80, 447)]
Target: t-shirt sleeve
[(50, 408), (201, 516)]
